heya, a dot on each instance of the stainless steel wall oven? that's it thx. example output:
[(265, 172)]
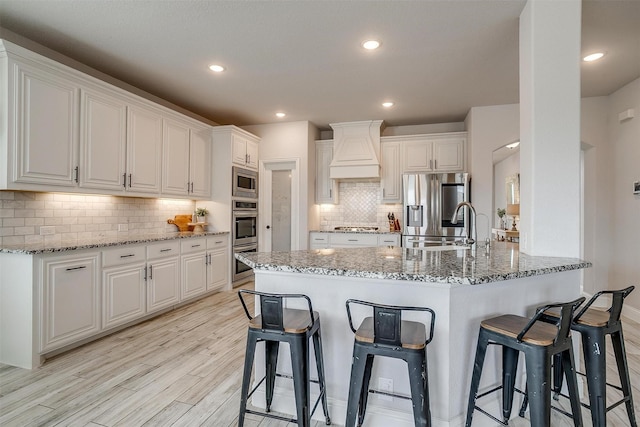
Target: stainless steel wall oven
[(241, 271)]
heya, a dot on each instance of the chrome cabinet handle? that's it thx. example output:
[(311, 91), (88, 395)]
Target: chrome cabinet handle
[(127, 256), (129, 180), (82, 267), (124, 183), (151, 272), (195, 246), (166, 250), (77, 172), (353, 240)]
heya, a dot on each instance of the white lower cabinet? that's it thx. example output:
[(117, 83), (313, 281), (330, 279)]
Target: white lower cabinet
[(163, 275), (70, 300), (123, 294), (194, 262), (217, 262)]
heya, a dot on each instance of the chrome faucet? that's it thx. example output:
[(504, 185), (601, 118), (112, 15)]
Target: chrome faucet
[(469, 226)]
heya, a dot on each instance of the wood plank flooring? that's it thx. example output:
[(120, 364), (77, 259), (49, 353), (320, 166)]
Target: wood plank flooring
[(183, 368)]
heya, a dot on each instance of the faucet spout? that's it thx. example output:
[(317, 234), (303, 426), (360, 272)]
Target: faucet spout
[(471, 234)]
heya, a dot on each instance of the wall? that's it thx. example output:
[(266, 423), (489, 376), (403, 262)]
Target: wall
[(76, 217), (292, 141), (624, 140), (359, 204)]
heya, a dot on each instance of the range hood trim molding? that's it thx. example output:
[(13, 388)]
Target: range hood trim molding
[(356, 150)]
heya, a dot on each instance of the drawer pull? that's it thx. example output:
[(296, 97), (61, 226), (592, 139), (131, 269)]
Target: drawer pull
[(127, 256), (82, 267), (353, 240), (166, 250), (218, 242), (195, 246)]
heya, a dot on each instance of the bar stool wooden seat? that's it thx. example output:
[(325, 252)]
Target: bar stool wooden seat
[(276, 324), (386, 334), (594, 324), (539, 341)]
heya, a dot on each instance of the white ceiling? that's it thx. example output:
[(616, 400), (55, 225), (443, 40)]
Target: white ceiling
[(438, 58)]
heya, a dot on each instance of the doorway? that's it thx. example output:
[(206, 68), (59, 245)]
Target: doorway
[(279, 209)]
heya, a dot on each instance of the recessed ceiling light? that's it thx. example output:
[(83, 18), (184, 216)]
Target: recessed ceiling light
[(593, 57), (280, 115), (216, 68), (371, 44), (387, 104)]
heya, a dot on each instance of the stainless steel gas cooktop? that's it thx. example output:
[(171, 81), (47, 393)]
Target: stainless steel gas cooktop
[(355, 228)]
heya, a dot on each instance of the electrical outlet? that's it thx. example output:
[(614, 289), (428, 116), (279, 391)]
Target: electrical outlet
[(47, 230), (123, 227), (386, 385)]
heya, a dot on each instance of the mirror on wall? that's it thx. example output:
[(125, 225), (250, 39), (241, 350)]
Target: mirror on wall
[(506, 179)]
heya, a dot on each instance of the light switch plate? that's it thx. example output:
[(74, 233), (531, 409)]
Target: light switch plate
[(636, 187)]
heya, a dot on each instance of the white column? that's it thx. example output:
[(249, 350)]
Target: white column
[(550, 128)]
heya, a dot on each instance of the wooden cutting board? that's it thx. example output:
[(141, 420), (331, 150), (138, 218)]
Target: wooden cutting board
[(182, 222)]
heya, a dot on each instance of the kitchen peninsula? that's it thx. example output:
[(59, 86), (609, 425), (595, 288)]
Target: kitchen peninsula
[(461, 285)]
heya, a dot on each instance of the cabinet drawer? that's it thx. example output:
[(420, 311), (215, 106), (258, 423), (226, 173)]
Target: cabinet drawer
[(217, 242), (164, 249), (389, 240), (348, 239), (125, 255), (193, 245), (319, 238)]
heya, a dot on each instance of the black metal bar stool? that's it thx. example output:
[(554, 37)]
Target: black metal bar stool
[(276, 324), (539, 341), (594, 325), (386, 334)]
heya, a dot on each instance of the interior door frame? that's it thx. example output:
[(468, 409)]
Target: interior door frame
[(264, 201)]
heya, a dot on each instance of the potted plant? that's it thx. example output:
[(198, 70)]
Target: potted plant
[(501, 213), (201, 213)]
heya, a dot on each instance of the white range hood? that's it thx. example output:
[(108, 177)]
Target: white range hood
[(356, 150)]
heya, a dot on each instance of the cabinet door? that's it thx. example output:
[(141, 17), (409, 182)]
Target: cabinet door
[(449, 154), (252, 155), (46, 128), (326, 188), (200, 163), (194, 275), (418, 156), (103, 141), (70, 298), (163, 283), (318, 240), (217, 269), (390, 180), (175, 154), (123, 294), (238, 150), (144, 150)]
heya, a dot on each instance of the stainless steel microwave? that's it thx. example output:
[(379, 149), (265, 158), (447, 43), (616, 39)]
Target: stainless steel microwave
[(245, 183)]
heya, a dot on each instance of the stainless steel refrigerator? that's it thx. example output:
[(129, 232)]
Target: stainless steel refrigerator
[(429, 203)]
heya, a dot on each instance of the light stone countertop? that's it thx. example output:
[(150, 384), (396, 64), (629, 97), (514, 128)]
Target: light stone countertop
[(124, 239), (504, 262)]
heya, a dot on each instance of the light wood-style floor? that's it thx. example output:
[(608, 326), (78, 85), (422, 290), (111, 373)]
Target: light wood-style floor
[(183, 368)]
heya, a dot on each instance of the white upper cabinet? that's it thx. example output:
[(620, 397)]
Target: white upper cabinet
[(434, 153), (44, 124), (186, 169), (390, 181), (144, 150), (244, 151), (103, 145), (326, 188)]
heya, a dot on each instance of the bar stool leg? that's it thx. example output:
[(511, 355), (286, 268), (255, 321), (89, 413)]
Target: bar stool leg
[(419, 389), (317, 347), (364, 393), (355, 384), (509, 367), (595, 361), (271, 360), (481, 350), (300, 369), (623, 369), (246, 378), (539, 387), (558, 374), (568, 365)]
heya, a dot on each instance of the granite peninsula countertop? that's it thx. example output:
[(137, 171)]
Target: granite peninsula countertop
[(504, 262), (100, 242)]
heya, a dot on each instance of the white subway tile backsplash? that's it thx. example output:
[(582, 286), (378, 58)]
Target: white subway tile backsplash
[(81, 216)]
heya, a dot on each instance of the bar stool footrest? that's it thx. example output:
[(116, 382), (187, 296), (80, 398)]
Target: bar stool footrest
[(479, 409), (386, 393), (270, 415)]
